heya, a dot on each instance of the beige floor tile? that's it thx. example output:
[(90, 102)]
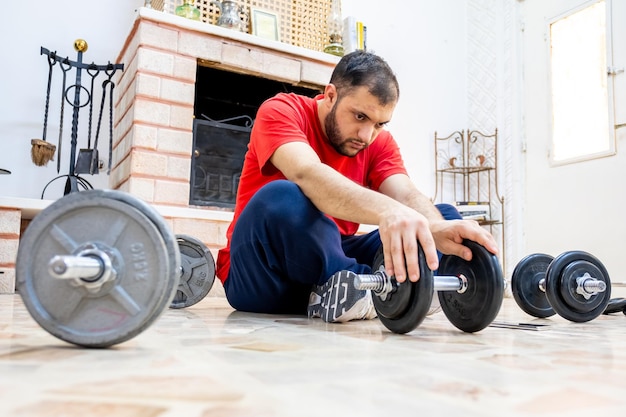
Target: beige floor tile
[(210, 361)]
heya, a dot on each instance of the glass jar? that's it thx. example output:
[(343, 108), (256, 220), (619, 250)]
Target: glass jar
[(188, 9), (334, 30)]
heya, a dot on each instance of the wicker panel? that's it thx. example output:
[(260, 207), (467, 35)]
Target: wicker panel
[(162, 5), (302, 22), (309, 23)]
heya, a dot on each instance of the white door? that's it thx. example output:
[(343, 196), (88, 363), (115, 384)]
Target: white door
[(573, 203)]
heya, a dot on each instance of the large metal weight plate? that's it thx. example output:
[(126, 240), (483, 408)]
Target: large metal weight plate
[(474, 309), (143, 253), (525, 285), (405, 308), (561, 286), (171, 277), (197, 272)]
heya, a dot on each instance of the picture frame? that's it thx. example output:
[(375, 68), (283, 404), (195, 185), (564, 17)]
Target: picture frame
[(264, 24)]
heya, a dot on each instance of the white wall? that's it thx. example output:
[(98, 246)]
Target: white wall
[(55, 25), (424, 42)]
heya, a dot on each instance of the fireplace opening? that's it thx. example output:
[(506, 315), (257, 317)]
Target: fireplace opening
[(225, 107)]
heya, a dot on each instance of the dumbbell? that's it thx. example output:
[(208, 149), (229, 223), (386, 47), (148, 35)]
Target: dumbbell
[(574, 285), (470, 293), (615, 305), (97, 267), (197, 272)]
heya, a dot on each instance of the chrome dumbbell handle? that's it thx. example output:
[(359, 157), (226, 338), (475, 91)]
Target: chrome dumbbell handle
[(381, 284), (587, 286)]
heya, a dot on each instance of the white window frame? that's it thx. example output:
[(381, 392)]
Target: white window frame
[(611, 150)]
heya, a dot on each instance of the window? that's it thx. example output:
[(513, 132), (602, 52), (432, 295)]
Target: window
[(580, 87)]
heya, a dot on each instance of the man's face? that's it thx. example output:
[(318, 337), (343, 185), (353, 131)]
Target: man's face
[(355, 120)]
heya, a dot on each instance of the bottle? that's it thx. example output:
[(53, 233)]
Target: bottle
[(334, 25), (188, 9)]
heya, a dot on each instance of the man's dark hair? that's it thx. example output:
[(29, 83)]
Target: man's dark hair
[(360, 68)]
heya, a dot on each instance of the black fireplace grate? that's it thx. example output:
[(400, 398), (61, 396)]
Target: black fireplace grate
[(219, 150)]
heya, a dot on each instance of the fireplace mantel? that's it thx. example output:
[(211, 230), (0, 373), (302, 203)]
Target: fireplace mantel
[(229, 48)]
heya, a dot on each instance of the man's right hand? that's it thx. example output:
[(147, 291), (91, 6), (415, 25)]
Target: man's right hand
[(400, 231)]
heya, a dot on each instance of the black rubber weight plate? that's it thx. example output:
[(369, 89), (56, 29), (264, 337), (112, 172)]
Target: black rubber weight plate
[(479, 305), (405, 308), (561, 286), (616, 305), (525, 285)]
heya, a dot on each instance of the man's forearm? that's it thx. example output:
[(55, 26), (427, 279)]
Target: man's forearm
[(422, 204), (341, 198), (401, 188)]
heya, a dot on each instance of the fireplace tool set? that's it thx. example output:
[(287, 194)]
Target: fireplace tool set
[(87, 162)]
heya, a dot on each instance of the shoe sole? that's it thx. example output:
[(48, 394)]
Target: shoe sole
[(336, 296)]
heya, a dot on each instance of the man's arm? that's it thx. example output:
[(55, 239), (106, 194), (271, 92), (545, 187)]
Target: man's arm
[(448, 235), (401, 188), (403, 214), (400, 225)]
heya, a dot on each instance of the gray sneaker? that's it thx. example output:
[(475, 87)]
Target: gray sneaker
[(337, 300)]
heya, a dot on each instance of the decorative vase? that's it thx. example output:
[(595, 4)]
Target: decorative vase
[(188, 10), (335, 30)]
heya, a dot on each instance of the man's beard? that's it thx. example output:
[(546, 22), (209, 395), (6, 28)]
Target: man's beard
[(334, 135)]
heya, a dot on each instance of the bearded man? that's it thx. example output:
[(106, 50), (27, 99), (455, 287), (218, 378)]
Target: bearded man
[(315, 170)]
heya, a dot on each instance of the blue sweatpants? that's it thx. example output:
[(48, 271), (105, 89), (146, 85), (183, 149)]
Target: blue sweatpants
[(282, 245)]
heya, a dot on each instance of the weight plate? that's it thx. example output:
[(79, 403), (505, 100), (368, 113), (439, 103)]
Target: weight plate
[(405, 308), (569, 286), (474, 309), (173, 252), (525, 285), (123, 307), (615, 305), (171, 276), (197, 272), (561, 286)]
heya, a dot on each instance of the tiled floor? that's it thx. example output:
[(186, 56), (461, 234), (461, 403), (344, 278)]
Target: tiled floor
[(209, 361)]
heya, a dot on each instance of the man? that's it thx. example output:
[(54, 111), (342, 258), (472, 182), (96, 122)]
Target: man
[(315, 169)]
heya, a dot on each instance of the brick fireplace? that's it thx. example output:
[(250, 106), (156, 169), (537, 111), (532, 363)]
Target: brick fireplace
[(154, 110)]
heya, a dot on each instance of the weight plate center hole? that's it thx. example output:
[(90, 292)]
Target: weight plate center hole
[(462, 283)]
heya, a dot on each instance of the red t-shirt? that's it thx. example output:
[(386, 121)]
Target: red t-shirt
[(293, 118)]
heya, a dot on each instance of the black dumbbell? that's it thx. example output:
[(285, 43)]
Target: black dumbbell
[(616, 305), (574, 285), (470, 293)]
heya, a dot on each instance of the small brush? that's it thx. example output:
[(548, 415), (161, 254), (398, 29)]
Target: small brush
[(41, 152)]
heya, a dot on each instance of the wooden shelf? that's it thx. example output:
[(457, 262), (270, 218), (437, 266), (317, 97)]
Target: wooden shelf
[(466, 170), (489, 222)]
